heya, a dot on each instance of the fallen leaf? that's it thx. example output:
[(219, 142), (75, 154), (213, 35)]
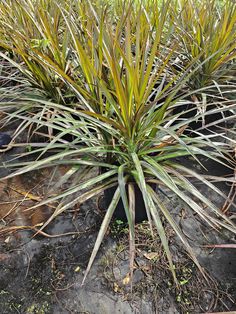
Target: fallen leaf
[(116, 288), (7, 240), (223, 246), (151, 255), (126, 280), (77, 269)]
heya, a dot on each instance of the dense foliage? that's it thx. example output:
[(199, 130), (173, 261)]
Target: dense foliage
[(125, 80)]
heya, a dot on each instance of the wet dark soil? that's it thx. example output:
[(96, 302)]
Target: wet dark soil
[(45, 274), (34, 270)]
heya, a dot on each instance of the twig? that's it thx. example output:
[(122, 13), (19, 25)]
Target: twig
[(19, 228)]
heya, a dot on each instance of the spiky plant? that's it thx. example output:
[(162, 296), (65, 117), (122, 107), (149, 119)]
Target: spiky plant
[(207, 31), (123, 122), (29, 29)]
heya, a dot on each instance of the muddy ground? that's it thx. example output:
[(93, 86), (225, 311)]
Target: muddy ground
[(45, 276)]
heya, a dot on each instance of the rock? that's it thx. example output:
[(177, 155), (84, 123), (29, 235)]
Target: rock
[(5, 139)]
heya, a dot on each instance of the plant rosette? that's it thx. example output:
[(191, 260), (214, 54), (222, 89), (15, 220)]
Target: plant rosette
[(123, 122)]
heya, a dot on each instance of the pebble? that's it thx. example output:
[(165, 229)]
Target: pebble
[(5, 139)]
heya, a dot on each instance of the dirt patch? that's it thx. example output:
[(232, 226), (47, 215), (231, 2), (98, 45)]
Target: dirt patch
[(44, 275), (153, 280), (34, 270)]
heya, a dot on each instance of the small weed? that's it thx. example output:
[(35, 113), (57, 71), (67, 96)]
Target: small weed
[(119, 228), (38, 308)]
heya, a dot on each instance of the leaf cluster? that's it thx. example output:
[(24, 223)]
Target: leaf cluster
[(107, 74)]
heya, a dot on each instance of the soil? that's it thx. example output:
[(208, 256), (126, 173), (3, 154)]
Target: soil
[(43, 274)]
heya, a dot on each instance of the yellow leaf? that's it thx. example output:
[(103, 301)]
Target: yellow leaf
[(116, 288), (126, 280)]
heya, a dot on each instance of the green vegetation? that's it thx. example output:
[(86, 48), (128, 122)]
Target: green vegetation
[(39, 309), (113, 77)]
